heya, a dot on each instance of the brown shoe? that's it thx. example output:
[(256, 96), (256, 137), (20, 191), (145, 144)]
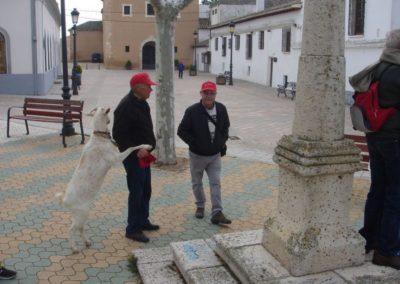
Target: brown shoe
[(199, 213), (383, 260), (219, 218)]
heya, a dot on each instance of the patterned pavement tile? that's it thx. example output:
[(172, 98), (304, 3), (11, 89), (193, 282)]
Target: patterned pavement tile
[(34, 228)]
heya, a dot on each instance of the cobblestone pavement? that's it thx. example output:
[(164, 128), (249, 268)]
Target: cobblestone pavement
[(34, 228)]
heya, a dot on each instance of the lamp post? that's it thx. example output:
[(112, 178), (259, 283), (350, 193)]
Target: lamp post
[(68, 128), (231, 30), (195, 55), (75, 17)]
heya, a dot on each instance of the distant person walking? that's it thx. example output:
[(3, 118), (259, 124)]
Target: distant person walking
[(204, 127), (181, 67), (382, 210)]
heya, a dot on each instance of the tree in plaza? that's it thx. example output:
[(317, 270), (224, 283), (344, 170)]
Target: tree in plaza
[(166, 12)]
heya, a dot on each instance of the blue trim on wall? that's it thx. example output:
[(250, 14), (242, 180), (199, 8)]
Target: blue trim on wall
[(23, 84)]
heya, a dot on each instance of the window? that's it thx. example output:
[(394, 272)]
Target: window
[(356, 17), (261, 40), (216, 43), (126, 48), (230, 43), (224, 46), (149, 10), (286, 35), (3, 62), (237, 42), (249, 46), (126, 10)]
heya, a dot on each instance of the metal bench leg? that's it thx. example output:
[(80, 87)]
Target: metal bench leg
[(8, 127), (83, 134), (27, 128)]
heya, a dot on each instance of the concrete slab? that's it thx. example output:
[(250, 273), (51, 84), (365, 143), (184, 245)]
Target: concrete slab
[(369, 273), (212, 275), (326, 278), (153, 255), (194, 254), (239, 239), (160, 273)]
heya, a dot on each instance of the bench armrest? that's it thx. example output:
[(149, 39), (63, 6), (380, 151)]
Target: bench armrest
[(12, 107)]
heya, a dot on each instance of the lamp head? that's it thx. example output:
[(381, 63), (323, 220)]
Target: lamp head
[(75, 16), (232, 27)]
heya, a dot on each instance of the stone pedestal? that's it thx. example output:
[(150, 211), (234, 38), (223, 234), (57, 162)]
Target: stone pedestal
[(311, 232)]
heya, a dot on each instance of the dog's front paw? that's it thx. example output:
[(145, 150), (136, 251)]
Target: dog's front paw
[(75, 250), (147, 147), (88, 243)]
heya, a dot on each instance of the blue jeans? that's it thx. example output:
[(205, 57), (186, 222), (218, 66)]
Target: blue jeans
[(139, 185), (382, 209)]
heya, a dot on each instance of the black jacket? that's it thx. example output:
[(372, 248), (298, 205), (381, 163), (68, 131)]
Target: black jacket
[(132, 123), (194, 131), (389, 96)]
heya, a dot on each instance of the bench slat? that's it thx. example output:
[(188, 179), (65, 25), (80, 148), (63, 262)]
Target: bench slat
[(43, 118), (59, 108), (54, 101), (51, 113)]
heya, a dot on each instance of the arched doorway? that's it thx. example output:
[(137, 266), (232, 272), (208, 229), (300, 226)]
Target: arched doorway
[(3, 59), (149, 55)]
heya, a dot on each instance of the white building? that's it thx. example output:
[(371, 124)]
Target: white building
[(29, 46), (267, 43)]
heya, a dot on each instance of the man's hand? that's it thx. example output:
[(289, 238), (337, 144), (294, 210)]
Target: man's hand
[(142, 153)]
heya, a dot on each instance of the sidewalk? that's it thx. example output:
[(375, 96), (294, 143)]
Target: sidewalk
[(34, 229)]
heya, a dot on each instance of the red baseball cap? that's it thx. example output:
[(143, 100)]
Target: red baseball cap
[(209, 86), (141, 78)]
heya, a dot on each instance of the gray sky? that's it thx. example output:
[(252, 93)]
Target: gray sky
[(90, 10)]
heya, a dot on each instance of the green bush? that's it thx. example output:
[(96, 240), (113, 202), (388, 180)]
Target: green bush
[(78, 69), (128, 65)]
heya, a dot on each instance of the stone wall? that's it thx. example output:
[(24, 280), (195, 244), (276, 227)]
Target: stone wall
[(273, 3)]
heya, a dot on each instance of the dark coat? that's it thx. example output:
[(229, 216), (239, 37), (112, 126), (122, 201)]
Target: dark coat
[(194, 131), (132, 123)]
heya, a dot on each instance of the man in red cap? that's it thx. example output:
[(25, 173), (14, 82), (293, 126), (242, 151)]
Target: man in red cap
[(204, 127), (133, 126)]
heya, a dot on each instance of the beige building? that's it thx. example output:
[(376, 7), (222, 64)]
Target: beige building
[(129, 33), (89, 40)]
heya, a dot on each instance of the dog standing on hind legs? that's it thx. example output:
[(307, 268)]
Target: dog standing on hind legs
[(97, 157)]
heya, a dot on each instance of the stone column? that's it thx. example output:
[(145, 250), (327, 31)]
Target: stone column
[(311, 231)]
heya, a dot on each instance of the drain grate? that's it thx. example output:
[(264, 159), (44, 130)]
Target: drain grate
[(234, 138)]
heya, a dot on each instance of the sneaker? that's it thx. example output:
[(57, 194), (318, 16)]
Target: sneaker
[(137, 236), (383, 260), (150, 227), (199, 213), (219, 218), (7, 273)]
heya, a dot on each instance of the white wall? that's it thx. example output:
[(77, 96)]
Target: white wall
[(19, 32)]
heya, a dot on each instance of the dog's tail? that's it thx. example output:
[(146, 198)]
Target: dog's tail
[(59, 196)]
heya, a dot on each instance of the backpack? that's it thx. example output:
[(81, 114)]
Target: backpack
[(366, 113)]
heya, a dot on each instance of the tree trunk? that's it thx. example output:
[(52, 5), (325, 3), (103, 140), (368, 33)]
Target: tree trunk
[(166, 12)]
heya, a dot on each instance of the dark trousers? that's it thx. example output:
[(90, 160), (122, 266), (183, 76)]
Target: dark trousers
[(180, 73), (139, 185), (382, 209)]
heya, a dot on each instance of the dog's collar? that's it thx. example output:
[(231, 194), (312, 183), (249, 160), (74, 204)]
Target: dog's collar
[(104, 134)]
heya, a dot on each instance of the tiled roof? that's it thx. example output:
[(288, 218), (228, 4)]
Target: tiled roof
[(90, 26)]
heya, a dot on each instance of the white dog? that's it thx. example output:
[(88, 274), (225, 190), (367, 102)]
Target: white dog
[(98, 156)]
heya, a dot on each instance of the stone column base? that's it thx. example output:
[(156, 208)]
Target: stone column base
[(311, 231)]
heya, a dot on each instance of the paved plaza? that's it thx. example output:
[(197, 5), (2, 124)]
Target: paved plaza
[(34, 228)]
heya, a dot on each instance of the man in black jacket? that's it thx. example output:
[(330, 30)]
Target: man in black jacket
[(133, 126), (204, 127), (381, 228)]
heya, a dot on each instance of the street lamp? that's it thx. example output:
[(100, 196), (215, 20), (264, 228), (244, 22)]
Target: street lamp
[(68, 128), (195, 55), (231, 30), (75, 17)]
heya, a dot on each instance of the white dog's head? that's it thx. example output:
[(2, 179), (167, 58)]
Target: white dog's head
[(100, 119)]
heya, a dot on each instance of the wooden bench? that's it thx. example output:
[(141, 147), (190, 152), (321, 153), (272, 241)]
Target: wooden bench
[(48, 110), (288, 88), (361, 142)]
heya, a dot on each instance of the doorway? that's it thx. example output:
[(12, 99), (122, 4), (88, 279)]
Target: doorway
[(3, 59), (149, 56)]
